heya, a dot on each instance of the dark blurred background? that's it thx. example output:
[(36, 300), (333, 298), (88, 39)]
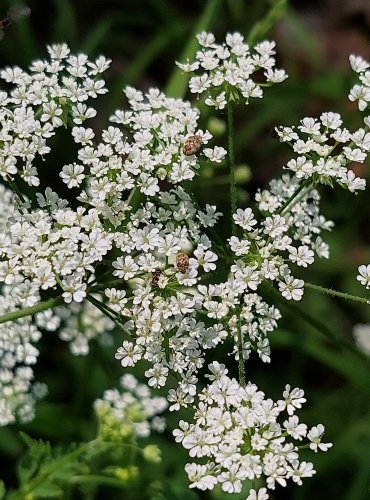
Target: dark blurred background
[(313, 346)]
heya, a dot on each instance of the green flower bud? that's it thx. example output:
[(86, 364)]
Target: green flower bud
[(152, 453)]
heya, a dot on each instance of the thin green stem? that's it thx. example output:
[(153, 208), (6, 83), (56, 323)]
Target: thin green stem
[(296, 196), (335, 293), (131, 195), (14, 187), (28, 311), (240, 355), (314, 322), (98, 479), (230, 133), (105, 310), (102, 286)]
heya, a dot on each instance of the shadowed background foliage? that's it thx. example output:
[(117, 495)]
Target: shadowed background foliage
[(313, 347)]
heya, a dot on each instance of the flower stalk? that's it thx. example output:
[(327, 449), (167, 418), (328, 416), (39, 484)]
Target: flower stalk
[(230, 133), (29, 311)]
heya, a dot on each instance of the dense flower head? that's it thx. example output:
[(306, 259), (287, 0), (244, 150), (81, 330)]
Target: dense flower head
[(324, 150), (51, 94), (241, 435), (136, 251), (130, 410), (224, 71)]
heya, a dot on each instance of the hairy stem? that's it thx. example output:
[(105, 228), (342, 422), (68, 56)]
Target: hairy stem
[(296, 196), (240, 355), (335, 293), (230, 132), (29, 311), (14, 187), (314, 322)]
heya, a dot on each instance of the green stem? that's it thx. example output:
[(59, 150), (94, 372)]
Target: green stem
[(240, 355), (314, 322), (28, 311), (112, 315), (335, 293), (131, 195), (98, 479), (296, 196), (230, 133), (103, 285), (14, 187)]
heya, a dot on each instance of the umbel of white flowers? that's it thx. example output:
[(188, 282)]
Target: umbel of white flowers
[(164, 244)]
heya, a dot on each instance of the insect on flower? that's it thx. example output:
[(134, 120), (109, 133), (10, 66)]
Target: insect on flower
[(155, 277), (192, 145), (182, 262)]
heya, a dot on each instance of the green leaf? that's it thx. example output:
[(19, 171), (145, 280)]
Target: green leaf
[(48, 489), (305, 39), (96, 34), (65, 25), (261, 28), (31, 462)]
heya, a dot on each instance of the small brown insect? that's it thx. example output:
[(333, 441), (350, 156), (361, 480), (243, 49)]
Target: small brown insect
[(182, 262), (155, 277), (192, 145)]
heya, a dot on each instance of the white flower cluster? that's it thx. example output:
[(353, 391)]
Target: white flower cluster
[(324, 150), (266, 248), (17, 350), (132, 407), (18, 354), (135, 251), (227, 69), (240, 435), (53, 247), (52, 94), (78, 324), (361, 91), (265, 251), (50, 246), (157, 150)]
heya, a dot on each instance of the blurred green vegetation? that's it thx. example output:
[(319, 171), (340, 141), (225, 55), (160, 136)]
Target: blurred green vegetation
[(313, 347)]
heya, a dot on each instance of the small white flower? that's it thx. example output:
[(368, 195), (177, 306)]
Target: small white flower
[(314, 435), (364, 275), (72, 175), (291, 288), (245, 219), (129, 354)]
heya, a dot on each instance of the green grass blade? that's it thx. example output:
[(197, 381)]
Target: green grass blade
[(178, 81), (97, 34), (261, 28), (157, 45), (65, 24)]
